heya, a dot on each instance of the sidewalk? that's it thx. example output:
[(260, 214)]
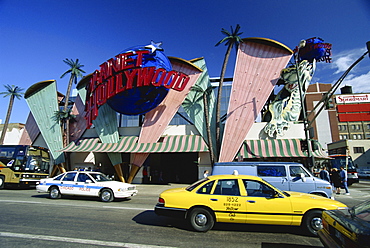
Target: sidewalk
[(359, 190), (156, 189)]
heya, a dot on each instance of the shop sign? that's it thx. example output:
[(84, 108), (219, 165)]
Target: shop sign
[(352, 98), (133, 82)]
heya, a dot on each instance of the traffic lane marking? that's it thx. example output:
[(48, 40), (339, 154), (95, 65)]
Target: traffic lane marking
[(90, 206), (80, 241)]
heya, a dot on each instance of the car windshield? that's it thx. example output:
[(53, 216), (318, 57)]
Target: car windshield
[(196, 184), (362, 211), (99, 177)]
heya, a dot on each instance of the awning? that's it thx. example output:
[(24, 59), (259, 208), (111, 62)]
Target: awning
[(275, 148), (128, 144)]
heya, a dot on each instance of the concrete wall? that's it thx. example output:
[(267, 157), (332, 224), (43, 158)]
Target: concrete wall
[(13, 134)]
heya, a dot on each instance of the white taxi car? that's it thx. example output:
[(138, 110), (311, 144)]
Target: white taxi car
[(85, 183)]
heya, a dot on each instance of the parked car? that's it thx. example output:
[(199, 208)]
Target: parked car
[(85, 183), (243, 199), (286, 176), (346, 228)]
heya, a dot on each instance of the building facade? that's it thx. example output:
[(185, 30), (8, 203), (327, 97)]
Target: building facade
[(172, 137), (344, 124)]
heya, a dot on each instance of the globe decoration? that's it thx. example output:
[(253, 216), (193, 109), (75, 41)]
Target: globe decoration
[(315, 48), (140, 100)]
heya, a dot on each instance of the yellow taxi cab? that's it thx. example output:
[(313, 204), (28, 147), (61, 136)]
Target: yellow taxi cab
[(346, 228), (243, 199)]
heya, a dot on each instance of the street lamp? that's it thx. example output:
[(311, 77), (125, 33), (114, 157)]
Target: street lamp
[(326, 97), (311, 159)]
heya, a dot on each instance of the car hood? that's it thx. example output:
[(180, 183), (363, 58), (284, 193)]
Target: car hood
[(297, 197), (353, 224)]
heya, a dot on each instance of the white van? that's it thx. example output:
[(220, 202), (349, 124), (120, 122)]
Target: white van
[(283, 175)]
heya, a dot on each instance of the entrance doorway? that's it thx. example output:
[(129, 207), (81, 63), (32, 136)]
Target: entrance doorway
[(173, 167)]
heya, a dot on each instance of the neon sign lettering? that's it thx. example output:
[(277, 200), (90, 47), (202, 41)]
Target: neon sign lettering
[(123, 73)]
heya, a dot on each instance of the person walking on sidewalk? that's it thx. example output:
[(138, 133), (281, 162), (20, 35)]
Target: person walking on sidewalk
[(343, 178), (324, 174), (335, 180)]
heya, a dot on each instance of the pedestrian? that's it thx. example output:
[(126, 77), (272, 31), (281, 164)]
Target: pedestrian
[(335, 180), (324, 174), (344, 178), (205, 174), (145, 174)]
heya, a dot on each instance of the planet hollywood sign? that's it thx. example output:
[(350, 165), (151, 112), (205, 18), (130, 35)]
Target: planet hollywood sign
[(133, 82)]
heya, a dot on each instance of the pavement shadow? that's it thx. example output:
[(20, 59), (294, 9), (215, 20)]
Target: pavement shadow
[(282, 245), (149, 217), (81, 198)]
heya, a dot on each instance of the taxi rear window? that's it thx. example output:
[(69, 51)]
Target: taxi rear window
[(206, 188), (196, 184)]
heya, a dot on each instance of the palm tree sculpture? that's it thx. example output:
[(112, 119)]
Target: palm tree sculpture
[(204, 95), (231, 39), (13, 92), (65, 115)]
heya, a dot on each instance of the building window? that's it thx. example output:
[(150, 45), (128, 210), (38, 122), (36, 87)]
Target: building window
[(356, 136), (358, 149), (367, 135), (342, 127), (355, 127), (343, 136), (368, 126)]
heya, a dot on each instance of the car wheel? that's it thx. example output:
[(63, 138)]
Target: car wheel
[(106, 195), (54, 193), (201, 219), (312, 222), (2, 181)]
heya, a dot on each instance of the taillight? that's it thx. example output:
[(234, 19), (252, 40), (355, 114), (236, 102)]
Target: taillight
[(325, 224), (160, 200)]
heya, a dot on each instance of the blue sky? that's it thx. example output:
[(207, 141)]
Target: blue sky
[(37, 35)]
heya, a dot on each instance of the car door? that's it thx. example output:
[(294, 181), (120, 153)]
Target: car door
[(262, 207), (81, 184), (67, 184), (227, 202), (298, 183)]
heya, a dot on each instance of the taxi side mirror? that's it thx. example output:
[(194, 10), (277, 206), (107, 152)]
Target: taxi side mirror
[(275, 194), (271, 193)]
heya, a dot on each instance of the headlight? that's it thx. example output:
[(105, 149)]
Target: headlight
[(342, 208)]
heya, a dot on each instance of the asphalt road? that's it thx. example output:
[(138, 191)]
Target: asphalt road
[(29, 219)]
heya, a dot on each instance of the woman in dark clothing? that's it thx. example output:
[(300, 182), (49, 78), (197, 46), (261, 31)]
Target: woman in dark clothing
[(335, 179)]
